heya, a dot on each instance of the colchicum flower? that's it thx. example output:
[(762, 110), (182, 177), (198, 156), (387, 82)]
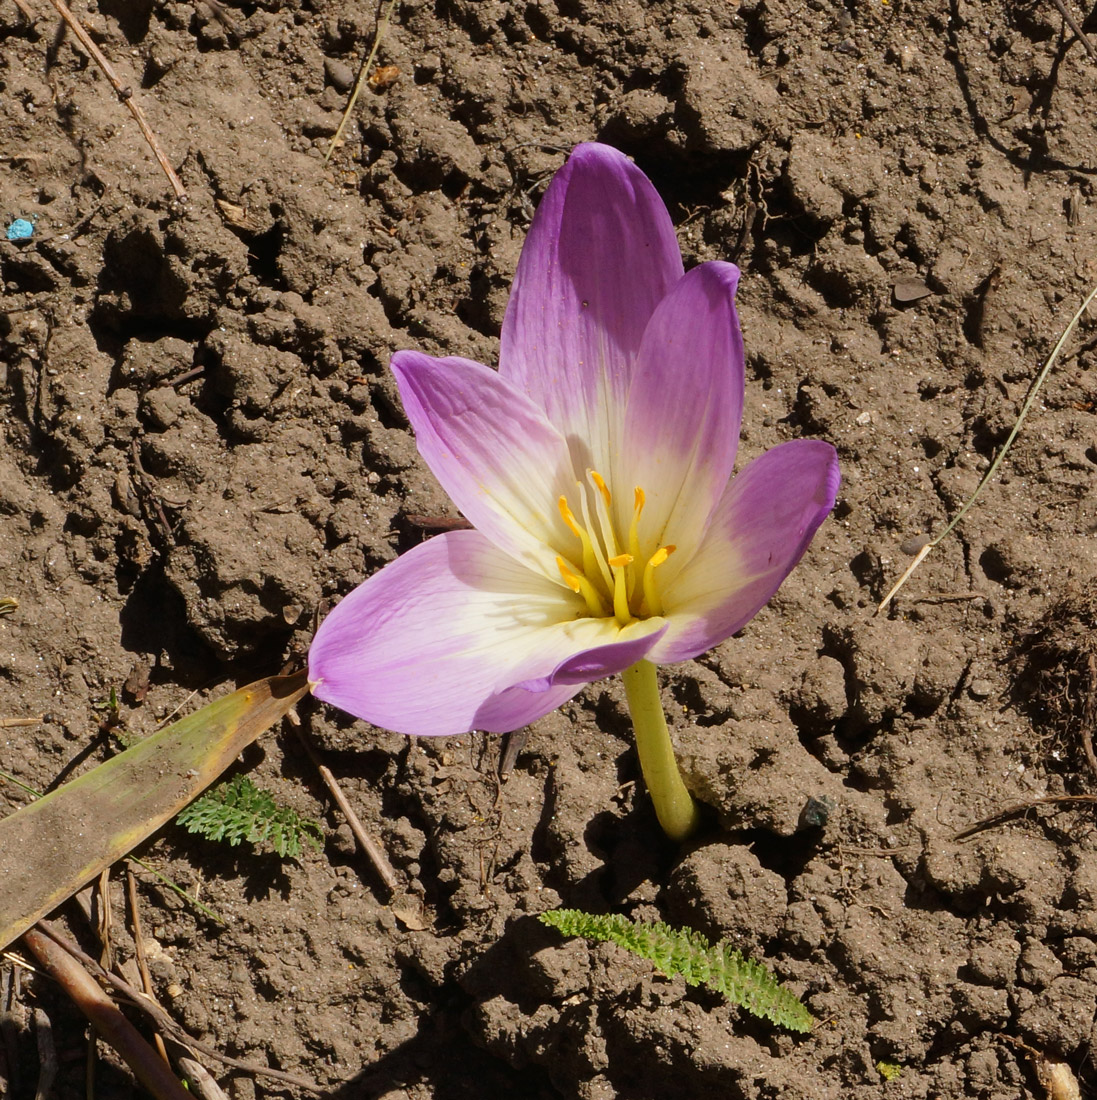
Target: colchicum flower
[(595, 467)]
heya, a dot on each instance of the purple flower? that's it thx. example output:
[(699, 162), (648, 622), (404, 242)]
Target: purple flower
[(595, 467)]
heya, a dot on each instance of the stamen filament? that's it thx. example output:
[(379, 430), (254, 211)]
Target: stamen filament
[(601, 566), (634, 527), (634, 537), (609, 578), (651, 594), (621, 609), (605, 517)]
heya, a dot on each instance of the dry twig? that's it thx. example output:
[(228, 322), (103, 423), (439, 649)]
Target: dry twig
[(382, 26), (1030, 400), (125, 94), (139, 950), (1076, 27), (47, 1055), (27, 14), (372, 849), (1063, 801)]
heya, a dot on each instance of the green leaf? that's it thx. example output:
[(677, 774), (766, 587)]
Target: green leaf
[(722, 967), (239, 810)]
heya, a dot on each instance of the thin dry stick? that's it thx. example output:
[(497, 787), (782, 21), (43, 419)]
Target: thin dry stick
[(1089, 712), (139, 950), (382, 26), (125, 94), (373, 850), (28, 15), (47, 1055), (198, 1077), (1076, 27), (105, 1015), (163, 1020), (1025, 409), (105, 926), (9, 987), (1009, 812)]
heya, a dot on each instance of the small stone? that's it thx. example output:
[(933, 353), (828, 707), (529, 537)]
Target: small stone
[(980, 689), (816, 812), (339, 75), (915, 544), (910, 290)]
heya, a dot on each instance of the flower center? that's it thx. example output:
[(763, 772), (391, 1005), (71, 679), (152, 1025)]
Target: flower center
[(608, 572)]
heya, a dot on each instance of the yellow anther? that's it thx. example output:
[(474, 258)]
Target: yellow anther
[(590, 560), (582, 587), (638, 499), (599, 481), (569, 517), (621, 561), (661, 555), (570, 579), (651, 594)]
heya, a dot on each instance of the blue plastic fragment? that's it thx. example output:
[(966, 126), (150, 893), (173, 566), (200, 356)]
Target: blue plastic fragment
[(20, 230)]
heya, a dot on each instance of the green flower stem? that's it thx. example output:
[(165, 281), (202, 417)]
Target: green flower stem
[(674, 805)]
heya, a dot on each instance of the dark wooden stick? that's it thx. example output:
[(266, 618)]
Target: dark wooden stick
[(105, 1016), (163, 1020), (1076, 27)]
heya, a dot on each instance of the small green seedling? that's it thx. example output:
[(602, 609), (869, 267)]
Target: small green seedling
[(722, 967), (239, 810), (889, 1071)]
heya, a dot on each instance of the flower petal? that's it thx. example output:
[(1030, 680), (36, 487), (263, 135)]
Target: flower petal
[(600, 256), (684, 411), (501, 462), (761, 529), (530, 699), (454, 635)]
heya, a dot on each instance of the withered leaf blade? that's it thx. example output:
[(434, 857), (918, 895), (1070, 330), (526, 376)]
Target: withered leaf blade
[(53, 847)]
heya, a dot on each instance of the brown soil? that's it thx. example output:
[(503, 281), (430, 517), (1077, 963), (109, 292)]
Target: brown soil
[(202, 446)]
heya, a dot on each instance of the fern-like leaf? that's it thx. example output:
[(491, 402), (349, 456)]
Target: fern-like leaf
[(742, 980), (239, 810)]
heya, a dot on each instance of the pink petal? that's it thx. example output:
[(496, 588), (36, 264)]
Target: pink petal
[(600, 256), (508, 710), (761, 528), (454, 635), (501, 462), (683, 414)]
